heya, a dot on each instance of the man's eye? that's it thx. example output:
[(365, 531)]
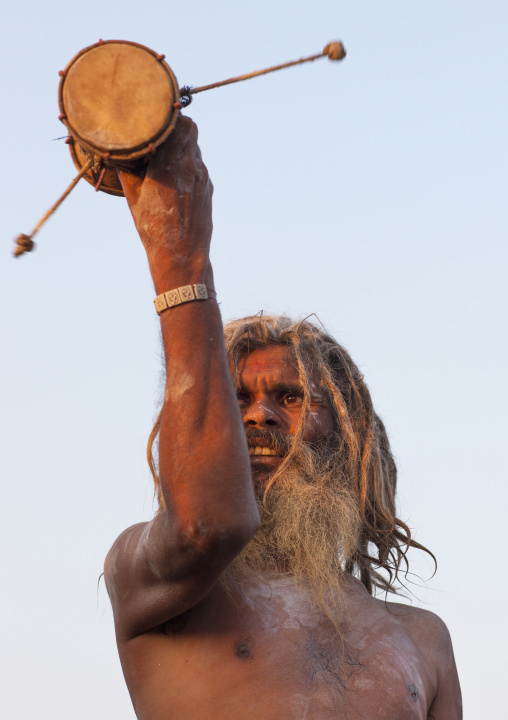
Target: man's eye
[(292, 399)]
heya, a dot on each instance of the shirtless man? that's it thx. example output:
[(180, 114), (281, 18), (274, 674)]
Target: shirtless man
[(248, 596)]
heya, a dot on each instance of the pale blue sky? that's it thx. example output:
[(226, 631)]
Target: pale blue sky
[(371, 192)]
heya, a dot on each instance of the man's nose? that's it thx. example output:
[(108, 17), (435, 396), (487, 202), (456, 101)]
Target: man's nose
[(261, 414)]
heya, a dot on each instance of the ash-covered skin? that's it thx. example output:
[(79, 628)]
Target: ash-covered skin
[(293, 653), (193, 647)]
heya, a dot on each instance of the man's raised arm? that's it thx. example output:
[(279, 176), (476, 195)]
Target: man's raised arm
[(157, 570)]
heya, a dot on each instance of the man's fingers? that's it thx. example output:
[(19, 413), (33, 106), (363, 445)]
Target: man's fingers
[(184, 128), (177, 146), (179, 156)]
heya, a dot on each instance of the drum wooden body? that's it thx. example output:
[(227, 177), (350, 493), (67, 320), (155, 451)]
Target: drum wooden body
[(119, 102)]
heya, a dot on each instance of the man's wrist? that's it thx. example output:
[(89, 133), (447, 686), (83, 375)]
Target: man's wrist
[(176, 271), (182, 295)]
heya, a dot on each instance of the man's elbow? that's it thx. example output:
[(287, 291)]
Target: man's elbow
[(218, 540)]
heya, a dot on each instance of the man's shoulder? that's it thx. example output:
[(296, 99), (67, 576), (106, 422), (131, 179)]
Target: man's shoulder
[(417, 619), (426, 629), (124, 551)]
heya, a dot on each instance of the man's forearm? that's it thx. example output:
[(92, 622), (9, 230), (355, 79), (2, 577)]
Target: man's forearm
[(203, 455)]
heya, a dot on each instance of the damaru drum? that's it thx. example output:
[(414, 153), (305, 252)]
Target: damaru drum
[(119, 101)]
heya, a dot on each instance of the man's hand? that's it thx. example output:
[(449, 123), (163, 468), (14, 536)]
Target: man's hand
[(172, 209)]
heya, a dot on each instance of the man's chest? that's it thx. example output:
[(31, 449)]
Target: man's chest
[(279, 660), (273, 676)]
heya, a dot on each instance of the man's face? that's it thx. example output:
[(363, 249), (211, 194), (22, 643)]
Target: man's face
[(270, 397)]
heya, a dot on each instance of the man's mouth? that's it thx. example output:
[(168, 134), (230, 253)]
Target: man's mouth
[(258, 450), (267, 447)]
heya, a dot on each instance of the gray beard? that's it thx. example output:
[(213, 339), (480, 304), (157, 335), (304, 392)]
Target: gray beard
[(310, 526)]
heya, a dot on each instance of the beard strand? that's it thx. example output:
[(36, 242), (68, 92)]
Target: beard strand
[(310, 527)]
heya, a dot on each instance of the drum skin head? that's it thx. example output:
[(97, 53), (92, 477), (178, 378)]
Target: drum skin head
[(117, 99)]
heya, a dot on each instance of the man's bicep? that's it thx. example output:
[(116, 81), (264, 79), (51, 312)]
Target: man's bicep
[(143, 591), (153, 574), (128, 580), (447, 704)]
